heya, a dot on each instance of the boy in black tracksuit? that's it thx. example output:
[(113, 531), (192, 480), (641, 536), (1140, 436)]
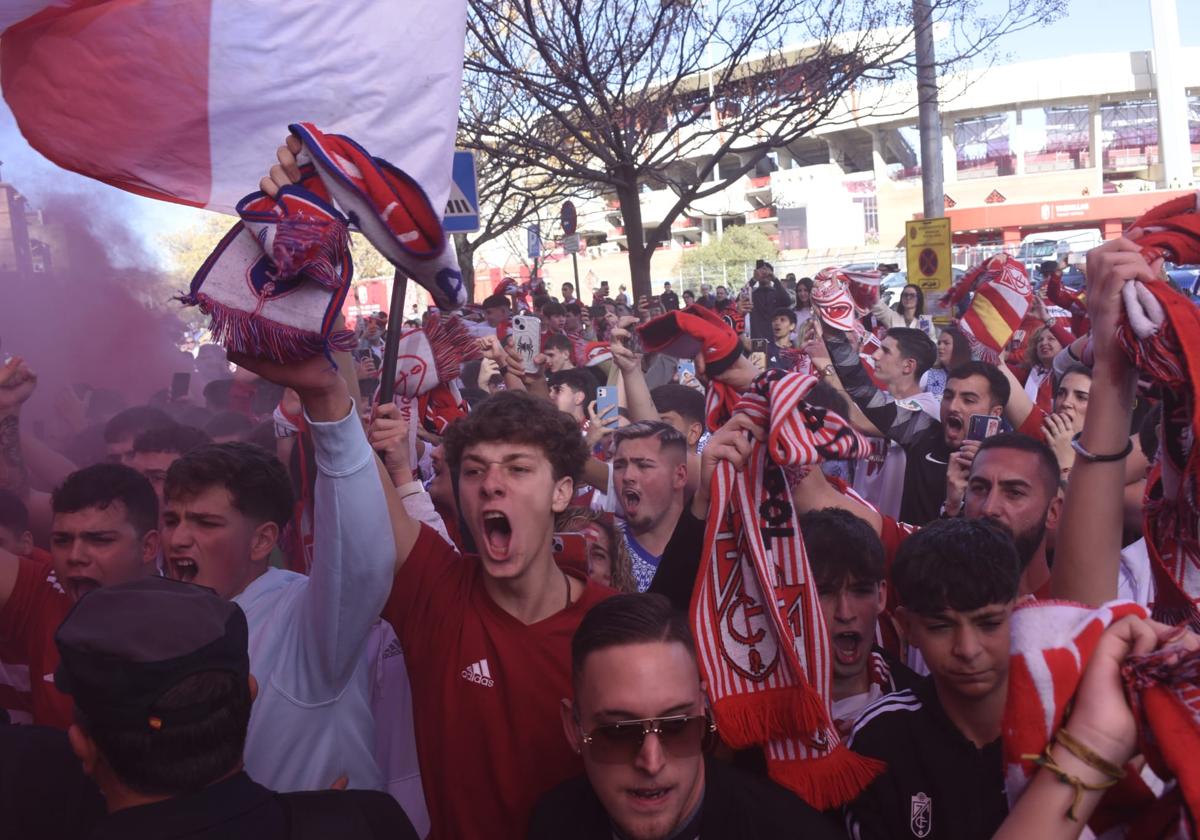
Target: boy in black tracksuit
[(957, 581)]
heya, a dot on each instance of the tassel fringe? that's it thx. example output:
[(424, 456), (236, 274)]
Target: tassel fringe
[(828, 781), (452, 345), (316, 248), (242, 332), (748, 719)]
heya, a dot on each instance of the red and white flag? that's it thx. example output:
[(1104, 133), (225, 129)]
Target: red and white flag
[(186, 100)]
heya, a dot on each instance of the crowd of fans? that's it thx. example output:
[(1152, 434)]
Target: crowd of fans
[(264, 605)]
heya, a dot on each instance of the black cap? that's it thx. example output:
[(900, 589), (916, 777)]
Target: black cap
[(122, 647)]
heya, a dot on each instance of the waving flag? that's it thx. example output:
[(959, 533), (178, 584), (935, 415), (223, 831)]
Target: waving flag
[(183, 100)]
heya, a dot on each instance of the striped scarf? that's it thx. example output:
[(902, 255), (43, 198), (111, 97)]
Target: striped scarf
[(763, 647), (1161, 335)]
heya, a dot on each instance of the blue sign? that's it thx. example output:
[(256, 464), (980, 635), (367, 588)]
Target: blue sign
[(535, 240), (462, 208)]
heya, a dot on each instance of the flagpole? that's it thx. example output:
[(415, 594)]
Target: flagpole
[(387, 383)]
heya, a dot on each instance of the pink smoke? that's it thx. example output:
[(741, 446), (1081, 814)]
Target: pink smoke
[(90, 319)]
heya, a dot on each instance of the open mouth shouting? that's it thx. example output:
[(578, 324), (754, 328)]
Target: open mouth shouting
[(182, 568), (954, 427), (847, 646), (630, 499), (79, 586), (497, 532)]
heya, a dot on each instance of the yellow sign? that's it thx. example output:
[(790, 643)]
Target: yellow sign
[(927, 247)]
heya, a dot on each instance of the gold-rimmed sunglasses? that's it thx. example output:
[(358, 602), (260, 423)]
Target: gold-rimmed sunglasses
[(681, 736)]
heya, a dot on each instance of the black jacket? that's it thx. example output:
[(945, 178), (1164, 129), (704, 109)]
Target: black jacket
[(921, 436), (669, 301), (239, 807), (938, 785), (766, 300), (736, 806)]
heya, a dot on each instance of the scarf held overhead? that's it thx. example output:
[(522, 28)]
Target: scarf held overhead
[(763, 648)]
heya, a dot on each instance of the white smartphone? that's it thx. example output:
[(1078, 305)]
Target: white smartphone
[(527, 338)]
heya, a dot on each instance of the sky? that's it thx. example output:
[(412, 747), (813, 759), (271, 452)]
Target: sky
[(1089, 26)]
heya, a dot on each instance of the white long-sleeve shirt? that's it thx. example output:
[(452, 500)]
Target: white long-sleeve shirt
[(312, 720)]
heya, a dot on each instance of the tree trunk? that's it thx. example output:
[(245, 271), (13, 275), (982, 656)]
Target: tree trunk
[(639, 254), (466, 262)]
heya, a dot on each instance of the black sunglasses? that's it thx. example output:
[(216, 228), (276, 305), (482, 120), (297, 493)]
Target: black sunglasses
[(681, 736)]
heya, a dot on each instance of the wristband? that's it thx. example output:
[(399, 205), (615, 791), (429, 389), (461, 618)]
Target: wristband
[(1100, 459), (410, 488)]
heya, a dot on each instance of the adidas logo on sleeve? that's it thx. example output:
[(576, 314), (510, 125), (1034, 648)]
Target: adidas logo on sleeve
[(479, 673)]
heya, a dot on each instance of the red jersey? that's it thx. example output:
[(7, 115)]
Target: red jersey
[(486, 691), (28, 656)]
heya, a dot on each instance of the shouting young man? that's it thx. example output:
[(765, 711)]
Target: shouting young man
[(487, 637)]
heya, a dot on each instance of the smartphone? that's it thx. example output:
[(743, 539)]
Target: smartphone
[(982, 426), (180, 383), (570, 548), (606, 400), (758, 352), (527, 338), (687, 366)]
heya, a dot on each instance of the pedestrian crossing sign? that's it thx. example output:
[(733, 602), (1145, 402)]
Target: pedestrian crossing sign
[(462, 208)]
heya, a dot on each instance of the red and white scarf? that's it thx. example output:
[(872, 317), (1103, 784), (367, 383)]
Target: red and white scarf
[(1161, 335), (1002, 298), (763, 647), (1052, 643)]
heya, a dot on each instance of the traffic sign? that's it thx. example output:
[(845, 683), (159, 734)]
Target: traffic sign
[(569, 218), (462, 208), (927, 248), (534, 234), (571, 243)]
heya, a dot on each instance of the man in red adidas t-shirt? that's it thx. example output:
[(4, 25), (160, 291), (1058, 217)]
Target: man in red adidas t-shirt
[(487, 637), (104, 532)]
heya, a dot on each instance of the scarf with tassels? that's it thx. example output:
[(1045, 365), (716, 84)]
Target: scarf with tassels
[(275, 284), (428, 360), (764, 650)]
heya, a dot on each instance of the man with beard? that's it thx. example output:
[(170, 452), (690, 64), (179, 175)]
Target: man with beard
[(1014, 483), (649, 477)]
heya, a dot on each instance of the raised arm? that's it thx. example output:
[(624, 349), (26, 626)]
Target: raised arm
[(354, 556), (1019, 406), (637, 393), (408, 503), (1089, 534), (903, 425), (17, 383)]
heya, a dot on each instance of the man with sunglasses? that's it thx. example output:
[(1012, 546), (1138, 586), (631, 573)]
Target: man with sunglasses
[(641, 722)]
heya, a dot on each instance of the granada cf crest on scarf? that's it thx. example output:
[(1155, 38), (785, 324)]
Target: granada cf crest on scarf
[(748, 644)]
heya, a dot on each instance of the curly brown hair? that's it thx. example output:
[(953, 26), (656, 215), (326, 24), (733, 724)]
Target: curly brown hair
[(518, 417), (574, 518)]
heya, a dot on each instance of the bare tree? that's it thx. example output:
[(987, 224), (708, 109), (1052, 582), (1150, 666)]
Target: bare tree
[(620, 96), (511, 195)]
